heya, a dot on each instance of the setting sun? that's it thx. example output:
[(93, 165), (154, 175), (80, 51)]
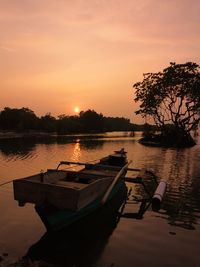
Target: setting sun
[(76, 109)]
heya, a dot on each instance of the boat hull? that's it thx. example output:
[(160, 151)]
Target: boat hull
[(55, 219), (62, 194)]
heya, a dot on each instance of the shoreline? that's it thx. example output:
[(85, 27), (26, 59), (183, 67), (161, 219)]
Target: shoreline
[(55, 135)]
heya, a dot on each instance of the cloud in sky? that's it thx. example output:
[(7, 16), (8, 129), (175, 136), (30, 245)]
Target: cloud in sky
[(81, 51)]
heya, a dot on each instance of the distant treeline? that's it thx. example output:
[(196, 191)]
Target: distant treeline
[(24, 119)]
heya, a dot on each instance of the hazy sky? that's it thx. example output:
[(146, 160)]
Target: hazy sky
[(59, 54)]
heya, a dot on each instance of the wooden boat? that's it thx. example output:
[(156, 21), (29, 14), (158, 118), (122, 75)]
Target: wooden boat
[(64, 196)]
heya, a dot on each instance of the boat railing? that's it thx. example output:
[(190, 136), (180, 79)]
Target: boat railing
[(69, 163)]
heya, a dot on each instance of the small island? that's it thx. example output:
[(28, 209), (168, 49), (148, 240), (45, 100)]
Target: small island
[(171, 99)]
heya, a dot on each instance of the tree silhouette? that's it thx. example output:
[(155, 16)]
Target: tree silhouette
[(91, 121), (172, 97), (18, 119), (48, 123)]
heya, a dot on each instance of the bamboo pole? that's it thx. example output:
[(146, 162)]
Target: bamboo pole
[(120, 173)]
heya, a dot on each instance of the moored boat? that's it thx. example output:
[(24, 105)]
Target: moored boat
[(62, 197)]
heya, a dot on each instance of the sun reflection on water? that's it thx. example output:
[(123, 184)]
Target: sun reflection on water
[(76, 152)]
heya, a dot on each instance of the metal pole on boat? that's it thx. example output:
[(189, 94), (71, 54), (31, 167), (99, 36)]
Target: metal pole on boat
[(120, 173)]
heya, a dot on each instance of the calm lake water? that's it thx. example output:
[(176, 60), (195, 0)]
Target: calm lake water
[(170, 237)]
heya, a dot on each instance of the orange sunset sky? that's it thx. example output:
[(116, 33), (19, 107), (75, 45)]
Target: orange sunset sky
[(56, 55)]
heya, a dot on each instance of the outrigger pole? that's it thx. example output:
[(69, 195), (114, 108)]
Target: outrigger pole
[(120, 173)]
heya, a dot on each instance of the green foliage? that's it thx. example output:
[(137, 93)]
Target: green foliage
[(171, 97)]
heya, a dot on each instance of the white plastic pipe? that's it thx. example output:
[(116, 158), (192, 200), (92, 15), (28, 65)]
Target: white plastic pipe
[(158, 195)]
